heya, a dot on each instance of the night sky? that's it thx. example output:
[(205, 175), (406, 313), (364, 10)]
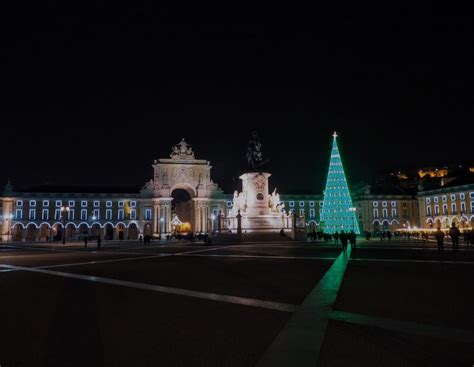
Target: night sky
[(91, 96)]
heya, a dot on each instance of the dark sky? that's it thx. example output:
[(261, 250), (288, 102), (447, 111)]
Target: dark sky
[(90, 96)]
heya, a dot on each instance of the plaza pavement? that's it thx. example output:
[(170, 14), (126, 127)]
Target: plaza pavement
[(243, 304)]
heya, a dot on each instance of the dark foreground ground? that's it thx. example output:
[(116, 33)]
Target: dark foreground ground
[(398, 304)]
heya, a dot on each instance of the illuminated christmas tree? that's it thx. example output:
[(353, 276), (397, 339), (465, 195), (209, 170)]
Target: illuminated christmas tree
[(338, 213)]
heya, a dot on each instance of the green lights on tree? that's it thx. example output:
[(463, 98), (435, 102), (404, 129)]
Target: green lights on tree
[(338, 213)]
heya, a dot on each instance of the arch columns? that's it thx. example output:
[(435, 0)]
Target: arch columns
[(201, 215), (163, 219)]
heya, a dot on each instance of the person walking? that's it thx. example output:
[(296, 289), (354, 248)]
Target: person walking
[(439, 235), (99, 241), (352, 239), (343, 237), (336, 237), (454, 233)]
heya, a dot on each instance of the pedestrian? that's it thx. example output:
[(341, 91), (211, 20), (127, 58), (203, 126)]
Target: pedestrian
[(352, 239), (454, 233), (140, 239), (99, 241), (336, 237), (85, 241), (439, 235), (343, 237)]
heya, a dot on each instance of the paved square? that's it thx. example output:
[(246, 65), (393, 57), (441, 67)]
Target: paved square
[(236, 304)]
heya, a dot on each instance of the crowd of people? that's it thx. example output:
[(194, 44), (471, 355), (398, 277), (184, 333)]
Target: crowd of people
[(453, 233)]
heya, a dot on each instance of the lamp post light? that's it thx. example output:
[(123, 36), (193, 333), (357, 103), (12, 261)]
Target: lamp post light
[(64, 210), (7, 218), (352, 210)]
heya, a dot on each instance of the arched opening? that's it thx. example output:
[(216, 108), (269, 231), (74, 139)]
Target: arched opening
[(182, 207), (83, 231), (95, 230), (120, 231), (57, 232), (30, 233), (17, 232), (45, 232), (70, 231), (109, 231), (133, 231)]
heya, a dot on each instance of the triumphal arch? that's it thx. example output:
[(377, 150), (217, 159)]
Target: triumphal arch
[(182, 172)]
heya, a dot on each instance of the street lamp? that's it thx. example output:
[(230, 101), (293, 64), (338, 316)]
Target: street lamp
[(64, 210), (352, 210)]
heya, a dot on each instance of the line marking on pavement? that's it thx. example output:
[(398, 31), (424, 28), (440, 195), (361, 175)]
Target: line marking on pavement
[(415, 261), (459, 335), (242, 301), (265, 257), (93, 262), (300, 341)]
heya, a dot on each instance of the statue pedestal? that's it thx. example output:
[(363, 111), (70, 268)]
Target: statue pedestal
[(257, 213)]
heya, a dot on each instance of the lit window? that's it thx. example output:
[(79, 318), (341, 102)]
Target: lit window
[(292, 204), (471, 195), (96, 204), (133, 204), (95, 213), (428, 200), (121, 214), (72, 203), (133, 214), (58, 203), (435, 199), (444, 198), (84, 203), (18, 214), (301, 203), (32, 202), (393, 203), (19, 203), (321, 203), (312, 213), (45, 202), (311, 204), (385, 213), (108, 214), (70, 214), (57, 214), (44, 214), (121, 204), (445, 208), (376, 213), (453, 197), (436, 209), (462, 196), (472, 206), (83, 214), (463, 207), (32, 214), (428, 210), (394, 212), (375, 204), (108, 204), (229, 204), (384, 204), (148, 214), (301, 212), (453, 208)]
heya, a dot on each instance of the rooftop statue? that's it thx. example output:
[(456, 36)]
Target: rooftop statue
[(182, 150)]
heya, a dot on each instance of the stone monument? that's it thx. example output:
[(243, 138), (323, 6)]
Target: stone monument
[(260, 211)]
